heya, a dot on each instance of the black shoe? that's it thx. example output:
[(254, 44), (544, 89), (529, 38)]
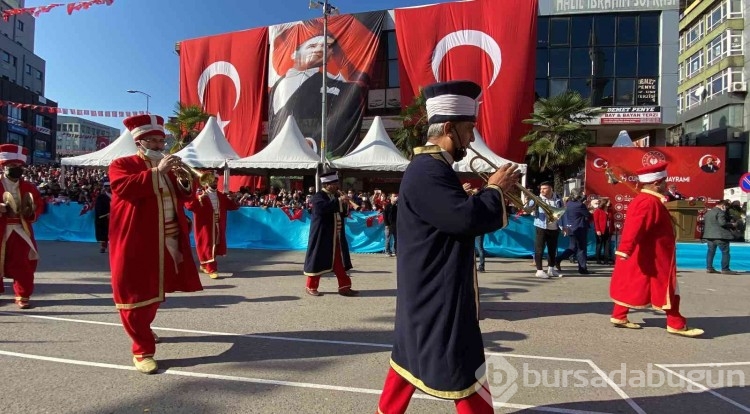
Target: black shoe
[(583, 271), (729, 272), (712, 271), (480, 269)]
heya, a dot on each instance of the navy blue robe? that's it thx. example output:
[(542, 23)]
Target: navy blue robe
[(438, 346), (326, 231)]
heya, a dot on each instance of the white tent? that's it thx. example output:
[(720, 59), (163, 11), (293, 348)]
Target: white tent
[(482, 149), (376, 152), (288, 150), (210, 149), (123, 146)]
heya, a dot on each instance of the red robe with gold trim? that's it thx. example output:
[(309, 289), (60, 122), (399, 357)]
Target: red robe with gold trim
[(138, 254), (210, 228), (649, 275), (24, 188)]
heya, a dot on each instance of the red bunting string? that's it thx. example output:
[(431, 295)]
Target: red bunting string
[(68, 111), (71, 7)]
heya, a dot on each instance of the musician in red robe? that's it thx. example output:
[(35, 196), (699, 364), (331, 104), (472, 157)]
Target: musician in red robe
[(20, 206), (645, 271), (210, 223), (150, 252)]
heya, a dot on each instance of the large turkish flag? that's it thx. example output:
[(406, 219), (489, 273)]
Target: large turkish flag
[(490, 42), (226, 75)]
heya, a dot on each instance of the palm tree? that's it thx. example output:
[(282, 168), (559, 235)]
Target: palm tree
[(559, 138), (186, 124), (414, 130)]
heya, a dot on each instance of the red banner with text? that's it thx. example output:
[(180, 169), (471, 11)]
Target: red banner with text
[(490, 42), (697, 173)]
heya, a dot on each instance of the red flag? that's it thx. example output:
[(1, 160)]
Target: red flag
[(120, 114), (237, 96), (490, 42)]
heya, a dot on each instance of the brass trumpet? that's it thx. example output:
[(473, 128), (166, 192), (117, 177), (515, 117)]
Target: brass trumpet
[(553, 213), (187, 173)]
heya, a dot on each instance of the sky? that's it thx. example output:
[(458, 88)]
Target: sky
[(94, 56)]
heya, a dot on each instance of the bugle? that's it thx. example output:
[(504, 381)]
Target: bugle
[(553, 213), (188, 173)]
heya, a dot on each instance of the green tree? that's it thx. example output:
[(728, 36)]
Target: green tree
[(558, 141), (186, 124), (414, 130)]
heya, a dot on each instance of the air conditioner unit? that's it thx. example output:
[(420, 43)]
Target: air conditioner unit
[(738, 87)]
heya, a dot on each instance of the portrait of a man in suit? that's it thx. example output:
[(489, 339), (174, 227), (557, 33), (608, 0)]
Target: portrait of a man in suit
[(298, 93), (711, 165)]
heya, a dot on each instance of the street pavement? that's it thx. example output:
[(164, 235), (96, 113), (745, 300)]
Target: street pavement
[(254, 342)]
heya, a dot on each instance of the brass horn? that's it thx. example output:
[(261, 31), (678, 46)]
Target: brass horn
[(553, 213), (612, 179), (188, 173)]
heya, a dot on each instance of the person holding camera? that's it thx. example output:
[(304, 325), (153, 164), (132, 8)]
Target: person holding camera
[(718, 233)]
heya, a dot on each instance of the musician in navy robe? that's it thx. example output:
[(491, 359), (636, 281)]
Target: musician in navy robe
[(438, 344), (327, 248)]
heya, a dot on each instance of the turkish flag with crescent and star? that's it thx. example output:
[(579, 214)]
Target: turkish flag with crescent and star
[(226, 75), (490, 42)]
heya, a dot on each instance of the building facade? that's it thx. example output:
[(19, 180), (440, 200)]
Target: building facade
[(712, 91), (77, 136), (622, 54), (22, 77)]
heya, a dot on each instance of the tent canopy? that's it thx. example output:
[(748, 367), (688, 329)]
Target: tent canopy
[(123, 146), (376, 152), (210, 149), (479, 147), (287, 151)]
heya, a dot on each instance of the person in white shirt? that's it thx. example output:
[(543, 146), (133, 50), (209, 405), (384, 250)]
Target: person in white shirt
[(547, 233)]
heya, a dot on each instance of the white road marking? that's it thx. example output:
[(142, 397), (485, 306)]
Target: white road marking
[(707, 364), (277, 382), (704, 388), (615, 387)]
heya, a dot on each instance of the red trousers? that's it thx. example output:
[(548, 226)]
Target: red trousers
[(338, 269), (674, 318), (18, 267), (211, 267), (397, 393), (137, 323)]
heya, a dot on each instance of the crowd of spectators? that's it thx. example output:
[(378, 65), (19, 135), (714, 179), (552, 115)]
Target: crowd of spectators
[(82, 185)]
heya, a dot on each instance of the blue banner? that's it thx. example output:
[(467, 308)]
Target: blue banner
[(272, 229)]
